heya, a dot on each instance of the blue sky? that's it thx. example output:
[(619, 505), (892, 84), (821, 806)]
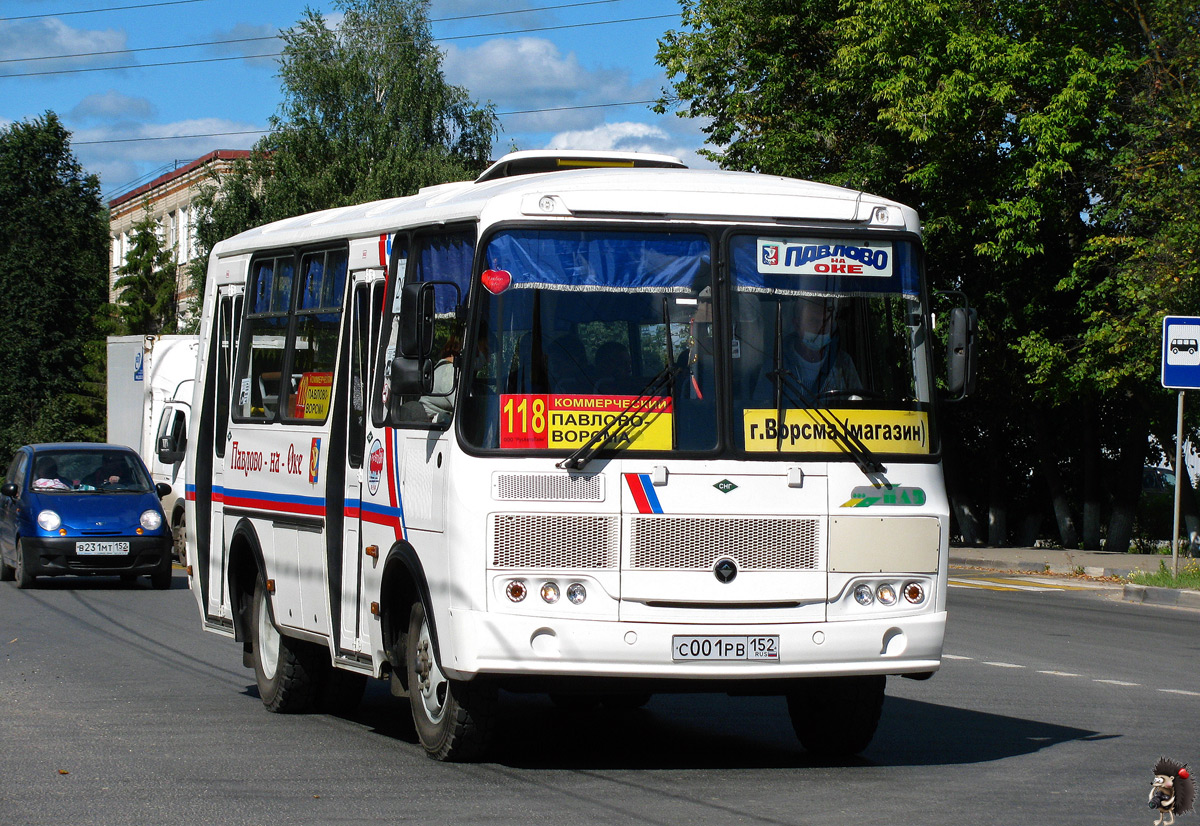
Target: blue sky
[(538, 59)]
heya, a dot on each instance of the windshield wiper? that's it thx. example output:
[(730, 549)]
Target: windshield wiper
[(839, 432), (623, 422), (836, 428)]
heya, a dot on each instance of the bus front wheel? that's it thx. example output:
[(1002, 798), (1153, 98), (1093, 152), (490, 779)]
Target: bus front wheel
[(453, 718), (284, 668), (836, 716)]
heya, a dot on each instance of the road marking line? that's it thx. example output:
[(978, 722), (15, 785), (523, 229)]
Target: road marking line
[(1004, 665), (955, 657), (1180, 691), (1061, 673), (1116, 682)]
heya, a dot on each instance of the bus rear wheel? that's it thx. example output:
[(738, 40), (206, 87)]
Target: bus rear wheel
[(284, 668), (836, 716), (453, 718)]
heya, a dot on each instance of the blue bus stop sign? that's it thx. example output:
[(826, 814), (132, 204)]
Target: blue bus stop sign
[(1181, 353)]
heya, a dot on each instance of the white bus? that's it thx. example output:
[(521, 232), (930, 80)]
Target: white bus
[(594, 425)]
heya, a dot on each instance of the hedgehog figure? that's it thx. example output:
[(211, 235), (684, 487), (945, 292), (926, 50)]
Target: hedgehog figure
[(1172, 791)]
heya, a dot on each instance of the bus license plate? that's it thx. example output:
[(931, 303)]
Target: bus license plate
[(761, 647), (101, 548)]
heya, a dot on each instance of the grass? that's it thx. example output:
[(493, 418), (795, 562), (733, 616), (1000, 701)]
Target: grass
[(1189, 576)]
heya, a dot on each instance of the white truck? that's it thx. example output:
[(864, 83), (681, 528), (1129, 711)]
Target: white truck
[(150, 380)]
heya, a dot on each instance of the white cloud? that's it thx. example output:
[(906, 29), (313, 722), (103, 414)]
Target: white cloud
[(112, 105), (630, 136), (28, 39)]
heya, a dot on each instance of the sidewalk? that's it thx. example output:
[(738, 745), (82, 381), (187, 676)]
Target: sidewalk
[(1088, 563)]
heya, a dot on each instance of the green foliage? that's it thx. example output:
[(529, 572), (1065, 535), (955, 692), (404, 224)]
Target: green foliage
[(1051, 150), (53, 282), (1189, 576), (366, 114), (146, 284)]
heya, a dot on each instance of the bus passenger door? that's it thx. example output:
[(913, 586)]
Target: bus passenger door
[(229, 315), (366, 298)]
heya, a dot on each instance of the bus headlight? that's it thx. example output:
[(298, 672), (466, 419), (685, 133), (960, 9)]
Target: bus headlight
[(863, 595), (914, 592), (886, 594), (516, 590), (49, 520), (550, 592), (576, 593)]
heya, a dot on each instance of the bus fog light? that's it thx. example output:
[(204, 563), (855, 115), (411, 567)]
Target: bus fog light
[(886, 594), (914, 593), (516, 590), (863, 595), (550, 592), (576, 593)]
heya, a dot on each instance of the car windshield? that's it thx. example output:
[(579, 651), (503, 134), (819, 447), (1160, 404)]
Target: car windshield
[(87, 471)]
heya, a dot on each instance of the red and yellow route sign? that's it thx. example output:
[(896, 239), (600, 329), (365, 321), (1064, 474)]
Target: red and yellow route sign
[(548, 422)]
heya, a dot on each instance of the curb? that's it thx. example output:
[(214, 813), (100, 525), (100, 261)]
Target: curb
[(1150, 595), (1042, 568)]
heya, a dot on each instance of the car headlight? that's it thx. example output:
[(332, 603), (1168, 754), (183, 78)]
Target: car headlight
[(49, 521), (151, 520)]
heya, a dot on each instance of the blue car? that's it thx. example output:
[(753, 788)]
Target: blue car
[(82, 509)]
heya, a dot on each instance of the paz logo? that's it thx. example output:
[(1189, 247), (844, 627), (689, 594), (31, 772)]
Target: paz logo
[(725, 486), (895, 496)]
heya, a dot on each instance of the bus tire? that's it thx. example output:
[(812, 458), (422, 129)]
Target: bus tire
[(284, 668), (179, 538), (453, 718), (836, 717)]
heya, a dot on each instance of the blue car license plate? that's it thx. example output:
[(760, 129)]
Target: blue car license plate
[(101, 548)]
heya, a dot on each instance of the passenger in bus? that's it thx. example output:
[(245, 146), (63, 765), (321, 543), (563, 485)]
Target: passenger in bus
[(616, 371), (567, 365), (813, 355)]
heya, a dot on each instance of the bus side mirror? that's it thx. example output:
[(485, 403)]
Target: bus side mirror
[(416, 320), (411, 376), (960, 352)]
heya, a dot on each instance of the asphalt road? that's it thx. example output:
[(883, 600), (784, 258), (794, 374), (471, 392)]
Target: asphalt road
[(115, 708)]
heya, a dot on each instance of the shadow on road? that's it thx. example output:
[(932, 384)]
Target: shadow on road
[(707, 731)]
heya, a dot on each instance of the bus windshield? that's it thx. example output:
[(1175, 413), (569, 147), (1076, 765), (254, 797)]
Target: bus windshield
[(581, 328)]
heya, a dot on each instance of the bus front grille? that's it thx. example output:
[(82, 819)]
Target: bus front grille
[(696, 543), (524, 540), (548, 487)]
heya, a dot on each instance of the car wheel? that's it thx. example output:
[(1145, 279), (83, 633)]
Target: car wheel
[(453, 718), (284, 668), (836, 716), (21, 573)]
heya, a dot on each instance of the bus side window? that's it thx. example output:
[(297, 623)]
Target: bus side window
[(259, 377)]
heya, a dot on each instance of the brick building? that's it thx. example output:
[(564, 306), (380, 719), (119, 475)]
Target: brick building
[(172, 199)]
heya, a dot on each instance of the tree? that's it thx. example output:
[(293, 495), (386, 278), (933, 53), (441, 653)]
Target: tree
[(366, 114), (146, 284), (53, 283), (1017, 128)]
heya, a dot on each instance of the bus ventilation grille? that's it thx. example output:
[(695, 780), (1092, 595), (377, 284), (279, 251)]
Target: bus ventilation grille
[(696, 543), (547, 487), (522, 540)]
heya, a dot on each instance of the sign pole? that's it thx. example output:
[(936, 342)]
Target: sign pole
[(1178, 470)]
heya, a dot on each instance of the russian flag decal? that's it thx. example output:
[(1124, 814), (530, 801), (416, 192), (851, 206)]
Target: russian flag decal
[(643, 492)]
